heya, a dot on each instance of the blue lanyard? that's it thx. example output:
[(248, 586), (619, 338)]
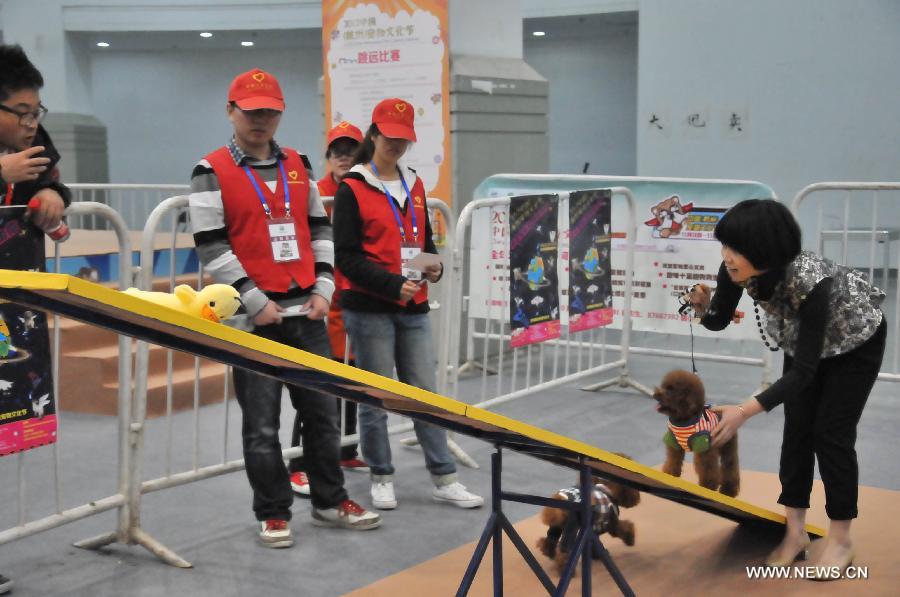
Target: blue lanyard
[(262, 197), (409, 200)]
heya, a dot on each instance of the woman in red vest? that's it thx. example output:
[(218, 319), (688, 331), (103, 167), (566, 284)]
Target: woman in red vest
[(380, 225), (342, 142)]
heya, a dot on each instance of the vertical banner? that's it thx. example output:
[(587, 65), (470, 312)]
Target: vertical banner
[(27, 408), (534, 288), (590, 275), (376, 49)]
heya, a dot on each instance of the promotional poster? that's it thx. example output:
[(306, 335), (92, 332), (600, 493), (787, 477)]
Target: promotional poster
[(534, 287), (590, 276)]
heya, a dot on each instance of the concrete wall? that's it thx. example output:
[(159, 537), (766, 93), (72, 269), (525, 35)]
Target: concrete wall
[(164, 110), (815, 83), (593, 97)]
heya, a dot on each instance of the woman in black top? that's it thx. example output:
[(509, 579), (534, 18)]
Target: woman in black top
[(828, 320)]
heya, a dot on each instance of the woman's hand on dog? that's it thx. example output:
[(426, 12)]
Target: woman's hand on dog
[(731, 417)]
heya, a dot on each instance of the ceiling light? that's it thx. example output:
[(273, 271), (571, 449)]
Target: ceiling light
[(206, 34), (102, 44), (247, 44), (538, 33)]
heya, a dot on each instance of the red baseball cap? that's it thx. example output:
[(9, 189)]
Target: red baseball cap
[(394, 118), (256, 89), (344, 129)]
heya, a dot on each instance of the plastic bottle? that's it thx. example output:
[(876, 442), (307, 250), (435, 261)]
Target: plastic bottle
[(60, 232)]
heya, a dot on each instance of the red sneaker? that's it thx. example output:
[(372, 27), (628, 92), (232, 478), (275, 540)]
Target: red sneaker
[(300, 484), (347, 515), (355, 464), (275, 533)]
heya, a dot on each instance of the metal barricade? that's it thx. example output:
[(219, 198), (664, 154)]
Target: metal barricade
[(172, 209), (133, 202), (63, 514), (541, 379), (850, 219)]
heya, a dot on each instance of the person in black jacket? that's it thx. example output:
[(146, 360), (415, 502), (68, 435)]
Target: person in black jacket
[(828, 320), (27, 162), (27, 170)]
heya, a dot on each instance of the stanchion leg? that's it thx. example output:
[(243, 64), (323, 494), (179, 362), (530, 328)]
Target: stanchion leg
[(458, 453), (496, 506), (587, 549), (98, 541), (159, 550)]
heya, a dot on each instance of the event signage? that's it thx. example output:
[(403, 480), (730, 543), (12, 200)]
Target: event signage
[(377, 49), (533, 283)]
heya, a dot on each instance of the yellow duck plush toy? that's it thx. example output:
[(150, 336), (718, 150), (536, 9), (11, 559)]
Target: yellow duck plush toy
[(215, 302)]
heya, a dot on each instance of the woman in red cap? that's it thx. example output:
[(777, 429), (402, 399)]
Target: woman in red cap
[(342, 142), (380, 225)]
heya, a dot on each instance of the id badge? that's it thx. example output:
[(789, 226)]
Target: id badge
[(283, 237), (407, 253)]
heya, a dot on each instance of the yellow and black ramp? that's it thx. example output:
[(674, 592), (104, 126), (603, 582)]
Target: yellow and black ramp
[(101, 306)]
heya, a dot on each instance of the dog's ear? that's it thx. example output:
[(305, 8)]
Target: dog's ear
[(625, 497)]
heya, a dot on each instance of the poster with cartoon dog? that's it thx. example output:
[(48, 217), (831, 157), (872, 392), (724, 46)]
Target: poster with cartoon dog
[(534, 287), (590, 277)]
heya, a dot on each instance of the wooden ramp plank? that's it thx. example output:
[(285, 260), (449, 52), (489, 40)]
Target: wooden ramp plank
[(102, 306)]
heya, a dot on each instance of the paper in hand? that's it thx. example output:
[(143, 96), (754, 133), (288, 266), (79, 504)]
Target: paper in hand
[(423, 260)]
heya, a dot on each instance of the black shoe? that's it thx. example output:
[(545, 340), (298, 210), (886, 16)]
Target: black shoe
[(6, 585)]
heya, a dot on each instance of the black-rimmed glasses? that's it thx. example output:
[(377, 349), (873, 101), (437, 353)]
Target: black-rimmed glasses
[(28, 118)]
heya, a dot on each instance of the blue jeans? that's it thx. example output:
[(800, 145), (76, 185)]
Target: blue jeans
[(380, 342), (260, 400)]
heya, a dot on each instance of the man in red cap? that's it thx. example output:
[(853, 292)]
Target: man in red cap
[(259, 225), (342, 142)]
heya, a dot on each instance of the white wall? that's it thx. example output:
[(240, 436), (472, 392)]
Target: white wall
[(817, 80), (593, 98), (164, 110)]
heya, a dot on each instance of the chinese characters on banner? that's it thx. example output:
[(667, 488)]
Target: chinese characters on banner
[(590, 281), (376, 49), (534, 288)]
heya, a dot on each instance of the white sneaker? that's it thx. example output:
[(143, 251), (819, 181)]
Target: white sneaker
[(383, 495), (457, 494)]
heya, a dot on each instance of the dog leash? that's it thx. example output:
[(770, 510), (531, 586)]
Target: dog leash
[(685, 307)]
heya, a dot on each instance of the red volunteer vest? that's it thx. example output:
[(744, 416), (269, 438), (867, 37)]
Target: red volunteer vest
[(380, 234), (337, 334), (246, 221)]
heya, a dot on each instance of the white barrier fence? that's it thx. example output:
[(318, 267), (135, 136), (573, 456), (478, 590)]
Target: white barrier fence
[(841, 213), (538, 374), (31, 467), (133, 202)]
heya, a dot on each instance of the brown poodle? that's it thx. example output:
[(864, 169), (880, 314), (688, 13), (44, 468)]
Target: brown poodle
[(681, 396), (563, 525)]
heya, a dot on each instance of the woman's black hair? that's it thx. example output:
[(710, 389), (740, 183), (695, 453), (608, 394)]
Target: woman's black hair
[(17, 72), (350, 146), (366, 149), (762, 230)]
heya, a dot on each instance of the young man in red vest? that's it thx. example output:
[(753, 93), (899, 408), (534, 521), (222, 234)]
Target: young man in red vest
[(259, 225), (342, 142)]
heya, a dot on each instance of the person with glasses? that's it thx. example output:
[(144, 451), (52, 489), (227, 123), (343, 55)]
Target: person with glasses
[(381, 225), (342, 142), (27, 171), (260, 226)]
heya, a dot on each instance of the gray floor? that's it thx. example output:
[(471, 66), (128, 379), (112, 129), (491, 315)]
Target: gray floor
[(210, 522)]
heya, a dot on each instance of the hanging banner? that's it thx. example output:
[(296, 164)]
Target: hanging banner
[(590, 249), (376, 49), (534, 288), (27, 407)]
